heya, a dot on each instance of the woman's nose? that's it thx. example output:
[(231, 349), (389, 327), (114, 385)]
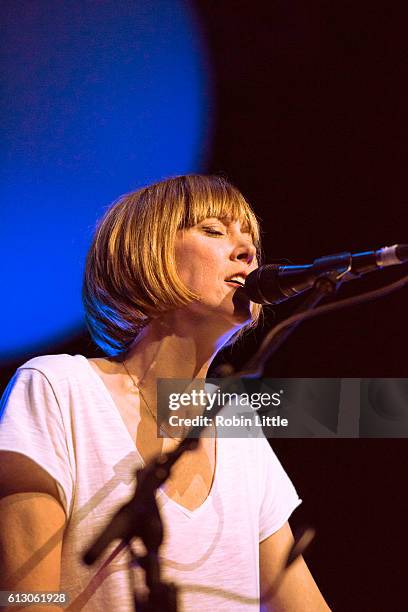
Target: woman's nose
[(245, 252)]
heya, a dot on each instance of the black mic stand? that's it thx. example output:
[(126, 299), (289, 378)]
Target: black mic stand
[(324, 286), (140, 517)]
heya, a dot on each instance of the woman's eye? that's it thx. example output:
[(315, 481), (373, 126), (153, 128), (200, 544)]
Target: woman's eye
[(214, 232)]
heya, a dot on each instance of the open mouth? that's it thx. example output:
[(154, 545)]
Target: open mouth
[(236, 281)]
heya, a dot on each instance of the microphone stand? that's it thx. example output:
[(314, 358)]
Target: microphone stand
[(324, 286), (140, 517)]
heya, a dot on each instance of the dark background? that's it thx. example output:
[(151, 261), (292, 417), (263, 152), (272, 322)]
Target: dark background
[(310, 124)]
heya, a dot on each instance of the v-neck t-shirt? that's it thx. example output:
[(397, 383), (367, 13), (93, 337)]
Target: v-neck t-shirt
[(58, 412)]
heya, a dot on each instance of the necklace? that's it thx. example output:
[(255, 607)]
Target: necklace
[(137, 388)]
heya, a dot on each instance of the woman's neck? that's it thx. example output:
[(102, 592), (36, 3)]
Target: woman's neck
[(175, 349)]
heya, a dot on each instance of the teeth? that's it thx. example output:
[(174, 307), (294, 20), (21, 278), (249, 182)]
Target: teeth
[(238, 279)]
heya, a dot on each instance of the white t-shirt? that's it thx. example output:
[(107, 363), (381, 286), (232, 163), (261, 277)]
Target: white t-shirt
[(58, 412)]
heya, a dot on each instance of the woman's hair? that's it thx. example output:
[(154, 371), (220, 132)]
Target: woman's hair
[(130, 273)]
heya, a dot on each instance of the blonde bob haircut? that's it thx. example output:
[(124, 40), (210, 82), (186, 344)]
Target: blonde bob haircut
[(130, 273)]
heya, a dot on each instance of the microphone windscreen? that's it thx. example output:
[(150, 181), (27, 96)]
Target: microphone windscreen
[(262, 286)]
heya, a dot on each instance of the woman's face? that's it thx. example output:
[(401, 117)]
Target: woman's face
[(208, 256)]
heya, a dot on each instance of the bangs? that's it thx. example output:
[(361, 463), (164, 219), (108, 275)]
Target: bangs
[(214, 197)]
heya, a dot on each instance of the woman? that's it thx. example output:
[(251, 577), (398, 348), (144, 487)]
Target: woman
[(160, 302)]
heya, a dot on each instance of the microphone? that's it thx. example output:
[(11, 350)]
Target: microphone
[(271, 284)]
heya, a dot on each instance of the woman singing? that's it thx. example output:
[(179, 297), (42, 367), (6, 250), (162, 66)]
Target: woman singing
[(162, 296)]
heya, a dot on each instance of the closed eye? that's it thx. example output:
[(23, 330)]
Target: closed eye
[(214, 232)]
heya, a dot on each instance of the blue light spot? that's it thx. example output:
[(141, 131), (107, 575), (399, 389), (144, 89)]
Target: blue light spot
[(100, 98)]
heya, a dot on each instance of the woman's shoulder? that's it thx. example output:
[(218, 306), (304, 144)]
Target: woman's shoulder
[(66, 378), (56, 367)]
